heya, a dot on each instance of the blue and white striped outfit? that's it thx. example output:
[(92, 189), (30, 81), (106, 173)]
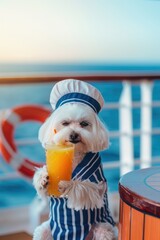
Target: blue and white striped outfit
[(69, 224)]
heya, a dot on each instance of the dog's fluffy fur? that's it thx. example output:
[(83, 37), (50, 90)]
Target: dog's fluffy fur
[(76, 123)]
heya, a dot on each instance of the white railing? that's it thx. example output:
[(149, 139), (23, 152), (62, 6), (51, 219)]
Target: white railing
[(126, 126), (126, 132)]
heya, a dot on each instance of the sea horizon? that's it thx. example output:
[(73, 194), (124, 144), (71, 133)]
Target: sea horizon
[(48, 69)]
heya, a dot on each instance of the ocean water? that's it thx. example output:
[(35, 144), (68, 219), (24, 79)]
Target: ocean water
[(13, 95), (31, 69)]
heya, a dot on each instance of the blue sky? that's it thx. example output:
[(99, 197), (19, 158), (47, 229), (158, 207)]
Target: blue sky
[(80, 31)]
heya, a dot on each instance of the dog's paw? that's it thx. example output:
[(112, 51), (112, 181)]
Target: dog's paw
[(82, 194), (105, 231), (42, 177), (40, 181), (43, 232), (64, 187)]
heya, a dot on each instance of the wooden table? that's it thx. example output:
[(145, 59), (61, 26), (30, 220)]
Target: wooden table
[(140, 205)]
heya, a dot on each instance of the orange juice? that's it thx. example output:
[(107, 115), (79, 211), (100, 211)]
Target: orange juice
[(59, 165)]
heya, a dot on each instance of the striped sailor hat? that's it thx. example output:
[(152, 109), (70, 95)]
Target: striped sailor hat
[(76, 91)]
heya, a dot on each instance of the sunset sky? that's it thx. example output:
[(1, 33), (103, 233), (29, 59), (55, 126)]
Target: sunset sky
[(78, 31)]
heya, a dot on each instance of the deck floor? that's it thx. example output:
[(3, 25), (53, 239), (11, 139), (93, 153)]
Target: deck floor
[(17, 236)]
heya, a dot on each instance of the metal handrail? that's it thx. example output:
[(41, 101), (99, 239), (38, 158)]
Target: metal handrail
[(132, 77), (112, 134), (135, 104)]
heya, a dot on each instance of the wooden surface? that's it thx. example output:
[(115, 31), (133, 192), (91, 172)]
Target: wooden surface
[(137, 221), (83, 77), (18, 236), (152, 228), (135, 225), (141, 190), (139, 205)]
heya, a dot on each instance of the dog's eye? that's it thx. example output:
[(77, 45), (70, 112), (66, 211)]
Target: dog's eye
[(84, 124), (65, 123)]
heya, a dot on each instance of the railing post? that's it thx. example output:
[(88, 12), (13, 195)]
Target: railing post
[(36, 209), (125, 126), (146, 125)]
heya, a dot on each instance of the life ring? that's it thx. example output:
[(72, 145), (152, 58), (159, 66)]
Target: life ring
[(8, 147)]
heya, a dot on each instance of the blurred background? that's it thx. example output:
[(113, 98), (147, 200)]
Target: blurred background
[(114, 45)]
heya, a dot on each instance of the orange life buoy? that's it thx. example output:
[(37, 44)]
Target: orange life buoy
[(8, 147)]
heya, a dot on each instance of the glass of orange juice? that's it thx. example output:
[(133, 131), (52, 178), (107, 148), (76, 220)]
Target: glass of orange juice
[(59, 160)]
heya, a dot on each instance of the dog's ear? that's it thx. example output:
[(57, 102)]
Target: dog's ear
[(101, 141), (46, 131)]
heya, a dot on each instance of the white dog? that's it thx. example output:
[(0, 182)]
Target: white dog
[(82, 210)]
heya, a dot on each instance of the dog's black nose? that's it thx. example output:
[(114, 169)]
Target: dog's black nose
[(74, 137)]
